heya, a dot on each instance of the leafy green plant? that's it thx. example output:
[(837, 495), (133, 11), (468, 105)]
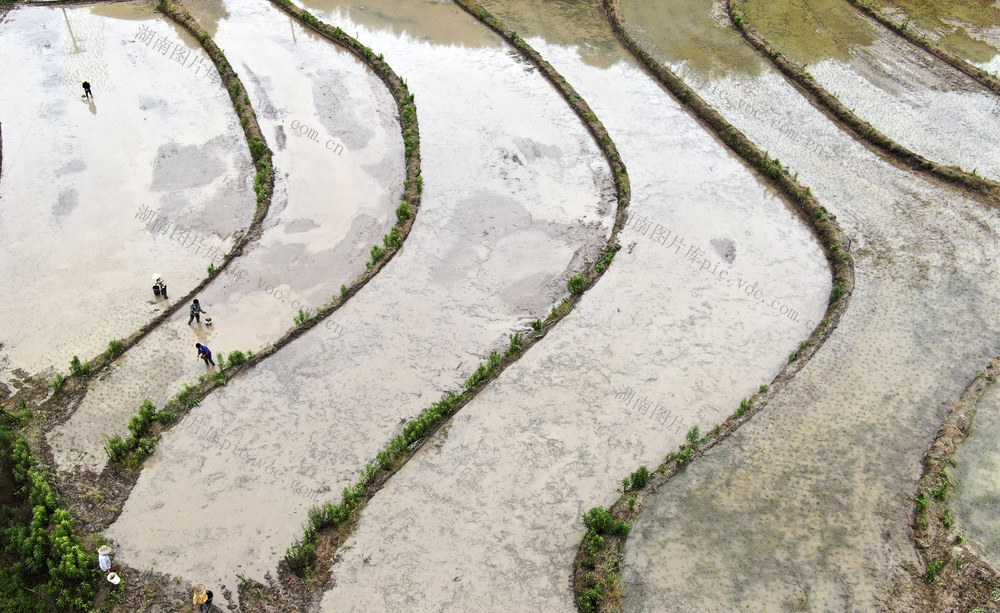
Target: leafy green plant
[(236, 358), (211, 269), (600, 521), (257, 148), (393, 238), (516, 343), (745, 405), (576, 284), (219, 377), (403, 212), (302, 317), (58, 382), (536, 325), (591, 600), (923, 501), (377, 253), (637, 480), (941, 491), (115, 349), (78, 368), (932, 570), (837, 292)]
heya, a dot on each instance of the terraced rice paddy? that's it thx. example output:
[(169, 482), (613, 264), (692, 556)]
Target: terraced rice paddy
[(629, 257)]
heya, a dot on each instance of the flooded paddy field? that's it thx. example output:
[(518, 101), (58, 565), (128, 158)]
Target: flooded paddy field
[(806, 507), (903, 91), (968, 28), (99, 193), (513, 204), (335, 197), (487, 513), (977, 496)]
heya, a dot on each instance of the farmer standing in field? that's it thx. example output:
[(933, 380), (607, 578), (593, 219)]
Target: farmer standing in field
[(86, 90), (205, 353), (196, 311), (202, 598), (104, 558)]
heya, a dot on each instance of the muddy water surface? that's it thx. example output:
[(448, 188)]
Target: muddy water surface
[(516, 198), (914, 98), (486, 516), (97, 195), (807, 506), (338, 183), (977, 463), (968, 28)]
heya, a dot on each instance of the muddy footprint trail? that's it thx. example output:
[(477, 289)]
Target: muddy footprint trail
[(513, 205), (807, 506), (903, 91), (339, 156), (99, 194), (485, 516)]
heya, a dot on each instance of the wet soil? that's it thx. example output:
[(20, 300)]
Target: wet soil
[(486, 513), (807, 505), (102, 233), (483, 259)]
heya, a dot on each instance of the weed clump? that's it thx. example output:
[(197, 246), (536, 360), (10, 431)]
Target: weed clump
[(302, 317), (236, 358), (115, 349), (78, 368), (637, 480)]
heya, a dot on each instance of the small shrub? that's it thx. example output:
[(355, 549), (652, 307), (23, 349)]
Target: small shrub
[(403, 212), (639, 479), (516, 343), (591, 600), (837, 292), (78, 368), (923, 501), (58, 382), (302, 317), (117, 448), (393, 238), (211, 269), (576, 284), (941, 491), (256, 148), (343, 290), (377, 253), (745, 405), (684, 455), (219, 377), (932, 570), (536, 325), (600, 521), (477, 377), (236, 358), (115, 349)]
